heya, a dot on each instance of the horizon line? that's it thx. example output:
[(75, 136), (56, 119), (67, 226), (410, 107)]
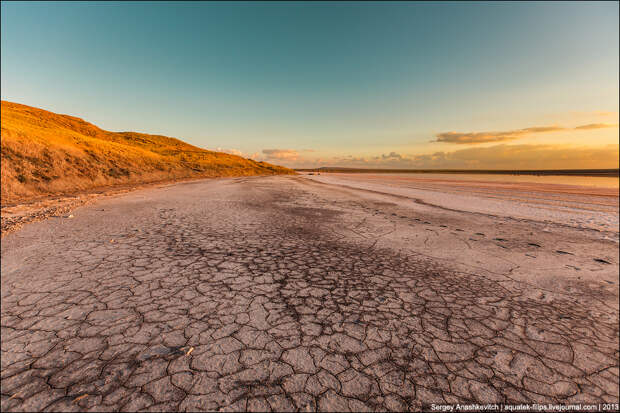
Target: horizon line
[(605, 172)]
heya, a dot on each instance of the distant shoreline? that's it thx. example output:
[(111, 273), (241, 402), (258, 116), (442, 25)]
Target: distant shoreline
[(543, 172)]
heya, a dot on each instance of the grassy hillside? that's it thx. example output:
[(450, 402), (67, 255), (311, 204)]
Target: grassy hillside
[(44, 153)]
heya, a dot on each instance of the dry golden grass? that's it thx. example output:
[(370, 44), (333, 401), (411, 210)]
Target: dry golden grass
[(44, 153)]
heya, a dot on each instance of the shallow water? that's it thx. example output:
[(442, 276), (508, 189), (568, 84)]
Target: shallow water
[(592, 181)]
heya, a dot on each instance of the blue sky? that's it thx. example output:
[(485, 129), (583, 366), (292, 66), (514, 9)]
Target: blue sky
[(307, 84)]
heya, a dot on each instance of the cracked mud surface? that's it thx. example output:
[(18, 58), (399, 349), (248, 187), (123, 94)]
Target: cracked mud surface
[(282, 294)]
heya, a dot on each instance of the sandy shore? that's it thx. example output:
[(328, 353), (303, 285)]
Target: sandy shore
[(306, 293)]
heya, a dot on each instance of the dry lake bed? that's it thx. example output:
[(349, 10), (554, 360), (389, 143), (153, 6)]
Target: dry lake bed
[(323, 292)]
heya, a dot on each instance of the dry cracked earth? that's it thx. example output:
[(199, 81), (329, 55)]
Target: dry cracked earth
[(283, 294)]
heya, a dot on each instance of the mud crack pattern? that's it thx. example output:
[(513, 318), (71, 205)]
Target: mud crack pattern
[(235, 299)]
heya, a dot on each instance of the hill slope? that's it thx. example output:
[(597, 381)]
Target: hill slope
[(44, 153)]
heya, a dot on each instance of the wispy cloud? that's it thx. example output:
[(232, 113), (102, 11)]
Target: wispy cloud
[(598, 126), (500, 136), (281, 154), (485, 137)]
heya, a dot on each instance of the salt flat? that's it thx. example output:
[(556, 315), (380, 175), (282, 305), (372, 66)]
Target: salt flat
[(582, 202), (312, 293)]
